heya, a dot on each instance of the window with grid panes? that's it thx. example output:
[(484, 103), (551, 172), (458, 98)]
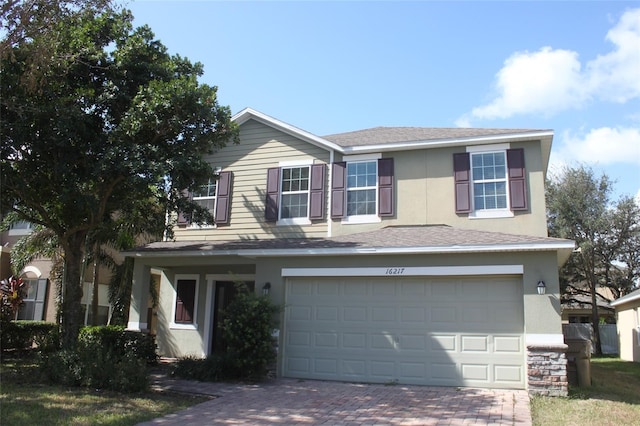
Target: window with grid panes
[(489, 174), (362, 178), (294, 192)]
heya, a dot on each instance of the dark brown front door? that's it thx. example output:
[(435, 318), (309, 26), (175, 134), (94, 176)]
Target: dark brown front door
[(226, 291)]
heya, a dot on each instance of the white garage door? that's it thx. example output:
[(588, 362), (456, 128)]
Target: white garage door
[(411, 330)]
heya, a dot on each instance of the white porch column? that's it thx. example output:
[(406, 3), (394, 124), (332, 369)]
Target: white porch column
[(139, 297)]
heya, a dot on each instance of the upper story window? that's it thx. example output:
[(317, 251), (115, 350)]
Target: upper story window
[(214, 196), (295, 193), (362, 189), (22, 227), (490, 181), (206, 195), (489, 172)]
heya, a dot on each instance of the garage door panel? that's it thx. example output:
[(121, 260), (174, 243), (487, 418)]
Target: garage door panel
[(413, 330), (512, 374), (300, 313), (326, 313), (474, 344), (507, 344)]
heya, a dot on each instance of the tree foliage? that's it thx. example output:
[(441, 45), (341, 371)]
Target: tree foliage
[(606, 232), (117, 127)]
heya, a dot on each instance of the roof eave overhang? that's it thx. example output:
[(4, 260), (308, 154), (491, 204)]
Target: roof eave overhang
[(355, 251), (625, 299), (546, 136)]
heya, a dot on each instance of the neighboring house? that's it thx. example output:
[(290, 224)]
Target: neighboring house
[(628, 322), (40, 303), (408, 255), (576, 309)]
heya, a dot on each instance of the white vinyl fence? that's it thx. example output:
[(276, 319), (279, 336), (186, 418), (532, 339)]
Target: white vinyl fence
[(608, 335)]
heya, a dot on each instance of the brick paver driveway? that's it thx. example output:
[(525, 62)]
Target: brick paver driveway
[(296, 402)]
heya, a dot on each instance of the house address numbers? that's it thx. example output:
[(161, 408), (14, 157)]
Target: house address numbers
[(394, 271)]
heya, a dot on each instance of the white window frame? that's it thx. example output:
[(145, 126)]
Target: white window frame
[(23, 230), (293, 164), (194, 325), (30, 282), (87, 300), (489, 213), (363, 218), (208, 197)]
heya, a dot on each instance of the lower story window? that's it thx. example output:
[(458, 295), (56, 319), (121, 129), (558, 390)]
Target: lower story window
[(185, 301), (33, 307)]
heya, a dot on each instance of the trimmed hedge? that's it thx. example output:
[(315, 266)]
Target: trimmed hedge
[(18, 335)]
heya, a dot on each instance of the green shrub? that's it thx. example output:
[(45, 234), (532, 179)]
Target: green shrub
[(214, 368), (23, 334), (106, 357), (248, 326)]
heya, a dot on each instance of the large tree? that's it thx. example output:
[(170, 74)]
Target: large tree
[(115, 120), (606, 232)]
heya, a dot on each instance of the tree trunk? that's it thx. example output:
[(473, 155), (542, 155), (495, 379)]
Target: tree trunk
[(72, 318), (95, 288), (595, 320)]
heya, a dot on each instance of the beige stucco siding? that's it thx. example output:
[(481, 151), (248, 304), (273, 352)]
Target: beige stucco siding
[(540, 312), (261, 147), (425, 194), (628, 315)]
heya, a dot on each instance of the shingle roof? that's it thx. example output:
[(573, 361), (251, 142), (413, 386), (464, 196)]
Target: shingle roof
[(432, 237), (386, 135)]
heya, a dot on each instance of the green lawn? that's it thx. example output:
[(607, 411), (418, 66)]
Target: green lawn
[(26, 401), (612, 399)]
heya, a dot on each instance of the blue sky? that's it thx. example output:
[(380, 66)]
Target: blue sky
[(331, 67)]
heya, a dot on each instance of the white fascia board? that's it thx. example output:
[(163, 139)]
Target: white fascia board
[(626, 299), (443, 143), (359, 251), (249, 113), (392, 271)]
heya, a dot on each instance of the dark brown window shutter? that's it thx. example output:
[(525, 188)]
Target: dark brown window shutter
[(223, 198), (462, 178), (338, 189), (185, 301), (273, 194), (184, 218), (316, 193), (385, 187), (517, 179)]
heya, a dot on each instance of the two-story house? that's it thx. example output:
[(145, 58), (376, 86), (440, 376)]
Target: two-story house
[(409, 255)]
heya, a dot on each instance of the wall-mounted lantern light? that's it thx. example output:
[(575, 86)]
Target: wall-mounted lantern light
[(265, 288), (542, 288)]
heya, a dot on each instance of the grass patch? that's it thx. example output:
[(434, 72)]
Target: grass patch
[(612, 399), (25, 400)]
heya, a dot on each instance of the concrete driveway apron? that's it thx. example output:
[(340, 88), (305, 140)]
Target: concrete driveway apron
[(310, 402)]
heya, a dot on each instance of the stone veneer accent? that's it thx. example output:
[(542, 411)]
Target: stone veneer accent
[(547, 370)]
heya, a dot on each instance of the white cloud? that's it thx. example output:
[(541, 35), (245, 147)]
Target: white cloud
[(552, 80), (544, 82), (616, 76), (604, 146)]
